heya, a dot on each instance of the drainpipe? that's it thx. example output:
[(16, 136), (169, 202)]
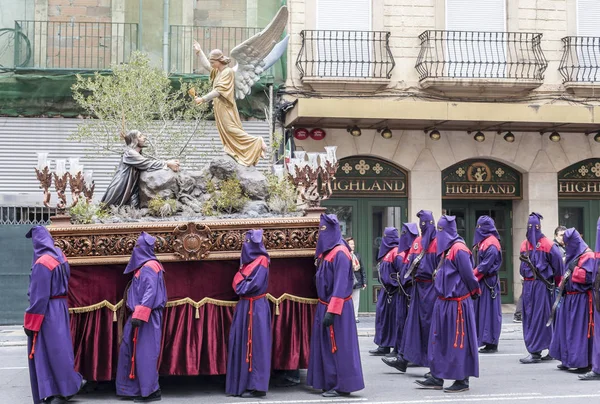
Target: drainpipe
[(166, 35), (140, 24)]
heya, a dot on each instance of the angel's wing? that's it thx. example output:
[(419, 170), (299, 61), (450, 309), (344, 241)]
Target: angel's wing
[(259, 53)]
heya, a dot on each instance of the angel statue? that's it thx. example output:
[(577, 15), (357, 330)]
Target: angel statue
[(252, 57)]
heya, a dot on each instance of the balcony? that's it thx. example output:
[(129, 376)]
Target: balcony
[(61, 45), (580, 65), (345, 60), (182, 59), (480, 64)]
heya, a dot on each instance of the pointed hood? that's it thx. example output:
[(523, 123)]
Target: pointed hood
[(427, 226), (574, 244), (534, 229), (446, 233), (142, 252), (485, 227), (43, 243), (390, 240), (330, 234), (410, 232), (253, 247)]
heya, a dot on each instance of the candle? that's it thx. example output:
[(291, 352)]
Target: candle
[(299, 154), (331, 153), (61, 167), (278, 171), (323, 159), (312, 159), (88, 178), (74, 165), (42, 161)]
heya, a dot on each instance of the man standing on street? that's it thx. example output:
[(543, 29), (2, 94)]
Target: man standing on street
[(334, 362), (453, 338), (49, 344), (487, 257), (541, 266), (137, 370), (573, 329), (423, 260)]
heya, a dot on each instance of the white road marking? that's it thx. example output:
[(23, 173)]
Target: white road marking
[(324, 400), (15, 368)]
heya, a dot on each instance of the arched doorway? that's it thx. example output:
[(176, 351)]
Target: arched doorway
[(472, 188), (579, 198), (369, 194)]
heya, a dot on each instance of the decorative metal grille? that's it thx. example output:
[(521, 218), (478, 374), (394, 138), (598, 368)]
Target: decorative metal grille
[(25, 215), (580, 61)]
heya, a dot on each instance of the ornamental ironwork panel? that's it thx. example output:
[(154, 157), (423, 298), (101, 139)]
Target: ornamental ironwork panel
[(366, 176), (481, 179), (580, 180), (580, 61)]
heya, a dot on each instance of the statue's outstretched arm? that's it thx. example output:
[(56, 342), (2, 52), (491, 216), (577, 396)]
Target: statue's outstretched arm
[(203, 59)]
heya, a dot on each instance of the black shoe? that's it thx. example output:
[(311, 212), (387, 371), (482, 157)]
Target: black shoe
[(380, 351), (562, 367), (517, 319), (393, 353), (547, 357), (532, 358), (458, 386), (581, 370), (357, 321), (591, 375), (253, 394), (489, 348), (56, 400), (396, 363), (431, 383), (427, 375), (152, 397), (335, 393)]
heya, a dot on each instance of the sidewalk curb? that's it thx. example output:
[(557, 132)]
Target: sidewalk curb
[(4, 344)]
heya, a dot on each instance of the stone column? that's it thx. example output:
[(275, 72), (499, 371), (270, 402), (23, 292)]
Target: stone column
[(425, 187)]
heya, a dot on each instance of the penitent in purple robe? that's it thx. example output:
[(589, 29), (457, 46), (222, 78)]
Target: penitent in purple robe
[(51, 367), (596, 296), (146, 298), (416, 330), (409, 233), (388, 298), (334, 361), (488, 308), (453, 337), (249, 349), (573, 328), (537, 297)]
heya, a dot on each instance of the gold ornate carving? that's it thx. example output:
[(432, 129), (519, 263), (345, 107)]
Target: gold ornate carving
[(177, 241), (192, 241)]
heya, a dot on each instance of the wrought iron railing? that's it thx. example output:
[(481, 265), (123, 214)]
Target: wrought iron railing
[(73, 45), (345, 54), (29, 215), (181, 38), (580, 61), (492, 55)]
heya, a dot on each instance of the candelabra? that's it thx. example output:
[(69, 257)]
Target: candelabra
[(313, 177), (77, 181)]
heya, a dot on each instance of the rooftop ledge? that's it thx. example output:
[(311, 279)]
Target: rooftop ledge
[(480, 87)]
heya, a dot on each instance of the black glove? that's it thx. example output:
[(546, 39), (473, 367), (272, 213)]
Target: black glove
[(136, 322), (328, 319), (475, 296), (28, 332)]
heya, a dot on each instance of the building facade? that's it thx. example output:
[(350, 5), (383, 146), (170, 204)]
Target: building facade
[(459, 107)]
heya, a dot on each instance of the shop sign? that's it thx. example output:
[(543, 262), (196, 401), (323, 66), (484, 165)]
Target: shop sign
[(366, 176), (481, 179), (580, 180)]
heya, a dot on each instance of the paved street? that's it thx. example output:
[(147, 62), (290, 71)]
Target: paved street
[(503, 380)]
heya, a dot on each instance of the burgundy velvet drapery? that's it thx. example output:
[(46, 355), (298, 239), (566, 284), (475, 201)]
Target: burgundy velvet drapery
[(190, 345)]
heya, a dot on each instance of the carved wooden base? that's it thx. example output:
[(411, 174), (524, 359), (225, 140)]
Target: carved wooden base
[(101, 244)]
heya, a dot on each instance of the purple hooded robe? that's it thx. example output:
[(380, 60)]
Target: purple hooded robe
[(334, 361), (249, 348), (418, 321), (388, 298), (409, 233), (453, 337), (537, 298), (596, 293), (146, 298), (573, 328), (51, 368), (488, 308)]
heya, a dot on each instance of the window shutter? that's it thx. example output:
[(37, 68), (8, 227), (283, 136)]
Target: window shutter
[(585, 52), (347, 53), (588, 18), (475, 44)]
